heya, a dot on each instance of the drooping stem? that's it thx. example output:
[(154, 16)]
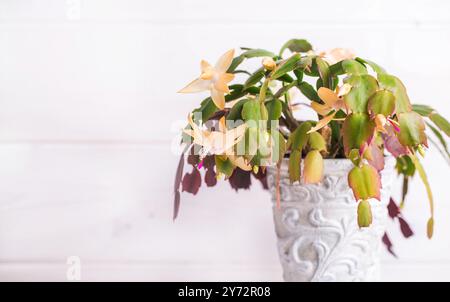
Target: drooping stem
[(424, 178)]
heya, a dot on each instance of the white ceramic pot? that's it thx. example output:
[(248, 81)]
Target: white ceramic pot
[(316, 226)]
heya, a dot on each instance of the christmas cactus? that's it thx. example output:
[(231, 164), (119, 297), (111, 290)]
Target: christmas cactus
[(363, 114)]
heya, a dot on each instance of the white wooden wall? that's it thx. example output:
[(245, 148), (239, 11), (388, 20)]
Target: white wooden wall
[(87, 106)]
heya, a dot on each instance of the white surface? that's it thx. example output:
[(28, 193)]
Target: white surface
[(87, 103)]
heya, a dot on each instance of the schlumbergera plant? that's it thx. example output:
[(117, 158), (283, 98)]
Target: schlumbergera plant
[(363, 114)]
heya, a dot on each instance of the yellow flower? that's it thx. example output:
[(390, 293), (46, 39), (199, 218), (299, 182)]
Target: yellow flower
[(213, 78), (219, 142), (334, 101)]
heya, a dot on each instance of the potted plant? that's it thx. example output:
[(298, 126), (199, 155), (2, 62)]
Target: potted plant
[(330, 179)]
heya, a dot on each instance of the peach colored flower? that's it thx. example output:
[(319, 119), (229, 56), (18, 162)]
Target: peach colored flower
[(334, 101), (335, 55), (213, 78), (219, 142)]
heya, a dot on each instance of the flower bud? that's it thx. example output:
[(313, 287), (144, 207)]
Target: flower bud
[(255, 169), (380, 121), (313, 169), (364, 214), (269, 63)]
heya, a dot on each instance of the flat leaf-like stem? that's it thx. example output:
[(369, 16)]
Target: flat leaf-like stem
[(365, 182)]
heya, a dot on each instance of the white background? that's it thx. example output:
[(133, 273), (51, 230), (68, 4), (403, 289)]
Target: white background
[(87, 103)]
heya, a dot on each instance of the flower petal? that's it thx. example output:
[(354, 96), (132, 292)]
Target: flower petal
[(190, 133), (226, 77), (232, 137), (222, 82), (221, 143), (340, 104), (205, 66), (207, 71), (380, 121), (320, 108), (338, 54), (195, 128), (218, 98), (344, 89), (196, 85), (222, 126), (236, 134), (225, 61), (328, 96), (239, 161), (207, 75), (200, 137), (322, 123)]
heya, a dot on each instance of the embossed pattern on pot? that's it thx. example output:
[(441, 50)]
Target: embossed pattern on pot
[(317, 232)]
